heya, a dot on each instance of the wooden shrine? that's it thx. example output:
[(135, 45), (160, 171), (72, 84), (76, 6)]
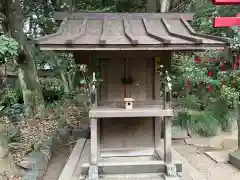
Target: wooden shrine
[(126, 116)]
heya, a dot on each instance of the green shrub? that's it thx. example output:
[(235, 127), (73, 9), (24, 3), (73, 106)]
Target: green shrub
[(204, 111)]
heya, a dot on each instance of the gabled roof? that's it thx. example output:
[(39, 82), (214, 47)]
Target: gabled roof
[(128, 31)]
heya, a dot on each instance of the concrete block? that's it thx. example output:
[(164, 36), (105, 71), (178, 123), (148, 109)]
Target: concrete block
[(230, 143), (165, 177), (81, 133), (234, 158), (218, 156)]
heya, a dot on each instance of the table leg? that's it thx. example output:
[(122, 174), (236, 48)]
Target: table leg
[(171, 171), (93, 169)]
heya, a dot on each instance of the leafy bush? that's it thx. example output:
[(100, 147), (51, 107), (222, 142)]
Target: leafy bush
[(11, 97), (203, 110), (16, 112), (52, 90), (8, 48)]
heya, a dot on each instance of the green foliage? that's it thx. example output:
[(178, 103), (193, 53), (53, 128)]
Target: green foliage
[(88, 81), (206, 11), (17, 112), (202, 111), (52, 90), (8, 48), (11, 97)]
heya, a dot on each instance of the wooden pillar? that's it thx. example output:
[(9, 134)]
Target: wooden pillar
[(94, 141), (95, 132), (171, 171), (167, 127), (157, 120), (168, 140)]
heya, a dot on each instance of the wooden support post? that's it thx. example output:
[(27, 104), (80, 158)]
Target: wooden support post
[(158, 132), (157, 120), (171, 171), (167, 140), (93, 169), (94, 125)]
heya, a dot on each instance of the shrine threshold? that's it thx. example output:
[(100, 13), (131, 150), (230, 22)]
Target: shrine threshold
[(128, 107)]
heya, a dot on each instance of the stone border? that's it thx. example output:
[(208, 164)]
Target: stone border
[(41, 158)]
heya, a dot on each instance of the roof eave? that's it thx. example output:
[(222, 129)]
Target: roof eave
[(182, 47)]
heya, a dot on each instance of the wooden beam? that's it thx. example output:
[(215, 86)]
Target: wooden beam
[(81, 32), (135, 112), (122, 47), (193, 32), (154, 36), (126, 152), (58, 33), (128, 31), (226, 22), (134, 167), (168, 28), (59, 16), (94, 142), (102, 40), (167, 140), (72, 162)]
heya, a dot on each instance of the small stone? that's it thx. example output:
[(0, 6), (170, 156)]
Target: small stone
[(81, 133), (64, 134), (171, 170), (31, 175), (35, 160), (47, 152), (180, 174), (93, 173)]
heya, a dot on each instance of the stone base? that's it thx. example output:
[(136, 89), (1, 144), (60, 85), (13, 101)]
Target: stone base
[(83, 132), (93, 173), (234, 158), (165, 177)]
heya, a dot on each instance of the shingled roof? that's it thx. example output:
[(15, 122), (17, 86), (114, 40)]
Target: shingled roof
[(136, 31)]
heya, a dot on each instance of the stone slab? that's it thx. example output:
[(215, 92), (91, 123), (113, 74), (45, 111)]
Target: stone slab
[(81, 133), (218, 156), (170, 177), (234, 158), (230, 143)]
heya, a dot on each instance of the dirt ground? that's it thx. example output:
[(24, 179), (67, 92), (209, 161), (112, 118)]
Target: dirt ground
[(57, 164), (194, 154), (205, 165)]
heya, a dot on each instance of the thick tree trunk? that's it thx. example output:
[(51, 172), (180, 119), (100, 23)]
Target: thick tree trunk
[(65, 82), (151, 5), (165, 5), (27, 73), (238, 123)]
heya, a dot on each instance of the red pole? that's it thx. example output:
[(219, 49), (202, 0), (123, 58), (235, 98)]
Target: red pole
[(226, 2)]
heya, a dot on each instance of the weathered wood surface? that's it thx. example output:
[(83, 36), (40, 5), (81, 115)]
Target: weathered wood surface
[(135, 112), (189, 173), (73, 160)]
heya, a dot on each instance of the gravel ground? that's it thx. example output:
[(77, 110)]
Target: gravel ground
[(206, 166), (57, 164)]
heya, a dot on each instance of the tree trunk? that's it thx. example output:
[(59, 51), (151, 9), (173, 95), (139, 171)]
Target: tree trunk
[(238, 124), (65, 82), (151, 5), (27, 74), (165, 5), (6, 160)]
